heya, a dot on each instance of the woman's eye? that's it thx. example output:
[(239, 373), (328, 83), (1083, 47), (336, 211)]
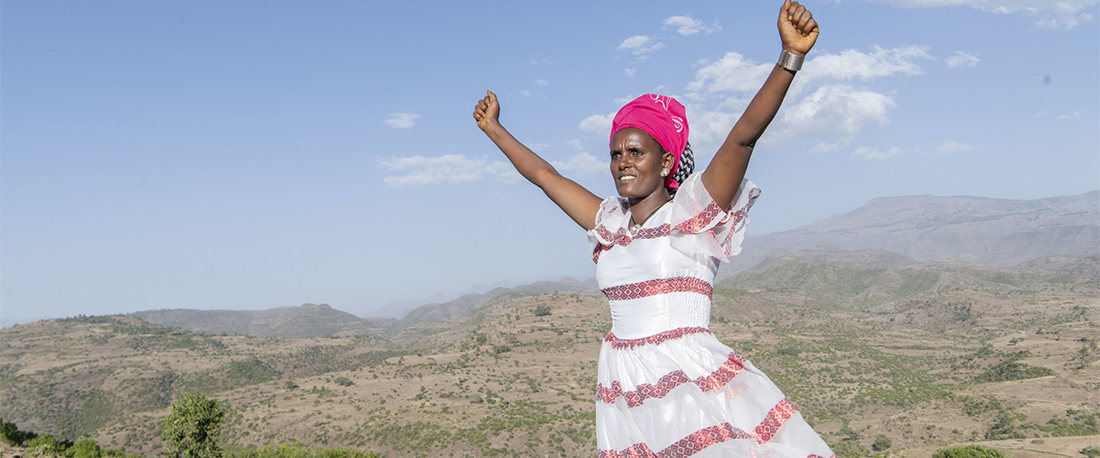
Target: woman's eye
[(637, 153)]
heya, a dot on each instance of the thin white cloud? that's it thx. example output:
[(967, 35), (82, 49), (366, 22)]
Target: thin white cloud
[(732, 73), (1049, 14), (630, 72), (525, 93), (1074, 115), (962, 59), (401, 120), (687, 25), (951, 147), (600, 124), (640, 44), (840, 143), (581, 163), (866, 153), (451, 168), (541, 83)]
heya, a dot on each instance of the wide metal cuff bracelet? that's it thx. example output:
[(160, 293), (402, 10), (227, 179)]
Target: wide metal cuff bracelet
[(790, 61)]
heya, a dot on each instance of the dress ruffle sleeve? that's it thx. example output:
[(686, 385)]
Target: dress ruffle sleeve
[(610, 224), (700, 226)]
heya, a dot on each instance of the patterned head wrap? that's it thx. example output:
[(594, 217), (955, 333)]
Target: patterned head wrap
[(663, 118)]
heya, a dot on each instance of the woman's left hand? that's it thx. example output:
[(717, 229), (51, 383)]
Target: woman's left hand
[(797, 28)]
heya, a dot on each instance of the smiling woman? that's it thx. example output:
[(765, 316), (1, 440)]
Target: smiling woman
[(666, 386)]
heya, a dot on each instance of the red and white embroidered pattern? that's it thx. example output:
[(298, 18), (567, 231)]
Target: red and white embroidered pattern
[(713, 382), (696, 223), (658, 286), (706, 437), (773, 421), (655, 339), (620, 238)]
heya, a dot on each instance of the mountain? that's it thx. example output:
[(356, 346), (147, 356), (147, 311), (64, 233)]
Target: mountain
[(311, 320), (992, 232), (308, 320)]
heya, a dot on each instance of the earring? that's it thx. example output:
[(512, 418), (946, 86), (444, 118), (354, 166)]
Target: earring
[(664, 173)]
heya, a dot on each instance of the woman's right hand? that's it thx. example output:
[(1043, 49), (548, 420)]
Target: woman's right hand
[(487, 111)]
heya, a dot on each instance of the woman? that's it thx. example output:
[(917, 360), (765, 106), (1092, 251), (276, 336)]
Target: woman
[(666, 386)]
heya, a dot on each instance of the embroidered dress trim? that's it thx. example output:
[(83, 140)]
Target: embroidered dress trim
[(656, 339), (659, 286), (620, 238), (703, 438), (713, 382)]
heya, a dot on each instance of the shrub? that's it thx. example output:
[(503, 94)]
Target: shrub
[(881, 443), (850, 449), (10, 433), (192, 429), (970, 451), (542, 310)]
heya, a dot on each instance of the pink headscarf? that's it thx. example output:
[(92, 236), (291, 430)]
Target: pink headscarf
[(662, 117)]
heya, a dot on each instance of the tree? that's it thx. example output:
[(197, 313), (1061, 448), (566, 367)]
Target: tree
[(881, 443), (192, 429)]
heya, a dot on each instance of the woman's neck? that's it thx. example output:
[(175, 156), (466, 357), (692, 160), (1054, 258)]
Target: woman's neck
[(640, 209)]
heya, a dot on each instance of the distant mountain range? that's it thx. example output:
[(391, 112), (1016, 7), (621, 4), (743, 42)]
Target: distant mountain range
[(992, 232), (1055, 236)]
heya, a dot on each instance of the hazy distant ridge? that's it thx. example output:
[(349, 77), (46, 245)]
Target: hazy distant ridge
[(992, 232)]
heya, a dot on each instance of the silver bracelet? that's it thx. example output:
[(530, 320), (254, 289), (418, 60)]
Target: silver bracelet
[(790, 61)]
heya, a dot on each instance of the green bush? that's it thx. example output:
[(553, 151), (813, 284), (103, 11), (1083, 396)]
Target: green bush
[(11, 434), (850, 449), (881, 443), (84, 448), (542, 310), (970, 451), (193, 427)]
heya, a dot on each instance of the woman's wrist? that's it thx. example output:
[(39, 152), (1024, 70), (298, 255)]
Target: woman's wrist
[(790, 60)]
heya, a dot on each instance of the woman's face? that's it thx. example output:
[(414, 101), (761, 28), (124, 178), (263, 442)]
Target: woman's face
[(636, 163)]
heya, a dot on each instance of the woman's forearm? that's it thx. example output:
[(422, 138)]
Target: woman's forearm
[(533, 167)]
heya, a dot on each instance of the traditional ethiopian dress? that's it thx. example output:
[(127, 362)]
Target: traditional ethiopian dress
[(666, 386)]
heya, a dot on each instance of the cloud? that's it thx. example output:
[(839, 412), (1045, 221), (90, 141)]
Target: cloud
[(451, 168), (401, 120), (851, 64), (1050, 14), (541, 83), (842, 142), (962, 59), (581, 163), (687, 25), (821, 103), (732, 73), (599, 124), (1074, 115), (866, 153), (630, 72), (831, 110), (951, 146), (640, 44)]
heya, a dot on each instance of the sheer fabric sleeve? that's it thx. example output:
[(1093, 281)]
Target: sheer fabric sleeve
[(610, 224), (700, 226)]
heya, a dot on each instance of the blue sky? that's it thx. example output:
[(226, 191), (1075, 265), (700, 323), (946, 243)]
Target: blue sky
[(248, 155)]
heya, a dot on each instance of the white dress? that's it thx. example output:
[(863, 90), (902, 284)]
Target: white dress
[(666, 386)]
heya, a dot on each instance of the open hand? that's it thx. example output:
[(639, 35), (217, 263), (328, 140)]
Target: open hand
[(797, 28), (487, 111)]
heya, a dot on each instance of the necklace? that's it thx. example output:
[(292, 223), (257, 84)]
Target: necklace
[(635, 227)]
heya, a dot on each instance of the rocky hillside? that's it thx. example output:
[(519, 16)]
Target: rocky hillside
[(865, 343)]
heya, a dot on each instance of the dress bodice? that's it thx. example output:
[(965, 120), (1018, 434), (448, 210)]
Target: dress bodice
[(661, 278)]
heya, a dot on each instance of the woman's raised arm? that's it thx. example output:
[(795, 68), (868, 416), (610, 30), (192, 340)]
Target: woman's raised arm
[(577, 202), (723, 176)]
